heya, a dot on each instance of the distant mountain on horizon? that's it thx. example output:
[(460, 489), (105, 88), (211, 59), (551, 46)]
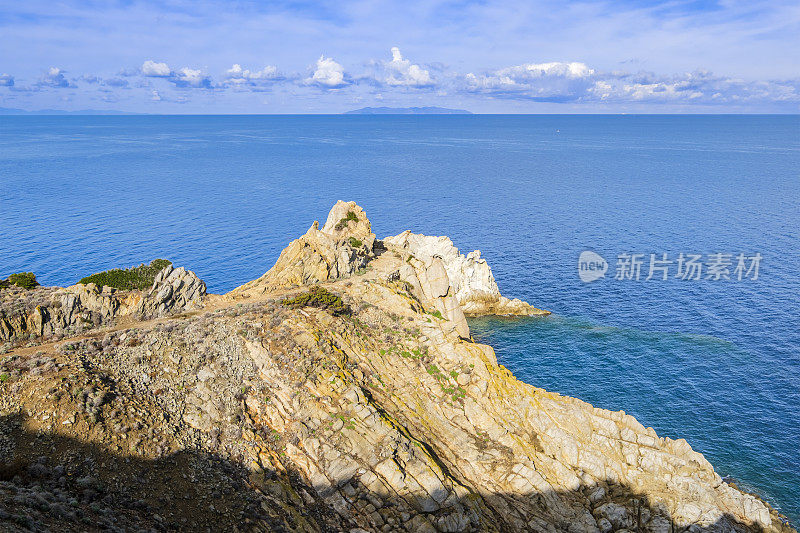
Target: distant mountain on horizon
[(12, 111), (429, 110)]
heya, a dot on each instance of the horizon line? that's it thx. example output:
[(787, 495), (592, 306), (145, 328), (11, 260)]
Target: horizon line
[(114, 113)]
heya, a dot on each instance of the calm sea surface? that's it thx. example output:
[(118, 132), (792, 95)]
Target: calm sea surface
[(715, 362)]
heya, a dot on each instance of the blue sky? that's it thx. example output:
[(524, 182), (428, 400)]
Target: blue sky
[(199, 56)]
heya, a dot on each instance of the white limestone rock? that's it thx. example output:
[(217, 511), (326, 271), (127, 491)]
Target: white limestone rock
[(471, 277)]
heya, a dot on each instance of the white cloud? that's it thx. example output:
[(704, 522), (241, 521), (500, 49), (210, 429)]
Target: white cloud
[(188, 77), (401, 72), (6, 80), (55, 78), (238, 76), (554, 81), (699, 87), (328, 74), (577, 82), (529, 73), (184, 77), (156, 70)]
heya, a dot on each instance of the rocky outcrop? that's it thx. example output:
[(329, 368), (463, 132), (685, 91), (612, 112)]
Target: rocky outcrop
[(258, 415), (430, 284), (471, 277), (341, 248), (46, 312), (174, 290), (53, 311), (346, 221)]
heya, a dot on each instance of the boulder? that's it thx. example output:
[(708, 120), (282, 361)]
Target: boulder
[(174, 290)]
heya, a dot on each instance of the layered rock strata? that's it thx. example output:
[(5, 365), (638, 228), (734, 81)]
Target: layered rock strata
[(258, 416)]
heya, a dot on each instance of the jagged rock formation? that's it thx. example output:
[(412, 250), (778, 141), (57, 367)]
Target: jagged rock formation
[(346, 244), (471, 277), (341, 248), (431, 286), (173, 290), (259, 416), (55, 311), (346, 221)]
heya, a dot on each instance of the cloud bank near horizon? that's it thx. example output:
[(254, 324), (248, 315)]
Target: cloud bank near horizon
[(521, 65)]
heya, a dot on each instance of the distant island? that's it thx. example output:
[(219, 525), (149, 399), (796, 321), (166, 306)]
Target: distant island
[(430, 110)]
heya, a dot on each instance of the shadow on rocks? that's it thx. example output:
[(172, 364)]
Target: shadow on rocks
[(49, 482)]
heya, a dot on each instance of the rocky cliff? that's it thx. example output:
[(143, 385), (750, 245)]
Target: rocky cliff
[(361, 405)]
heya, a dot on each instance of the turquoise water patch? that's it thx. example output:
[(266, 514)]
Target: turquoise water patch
[(691, 386)]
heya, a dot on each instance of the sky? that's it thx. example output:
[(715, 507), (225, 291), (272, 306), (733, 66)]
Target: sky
[(513, 56)]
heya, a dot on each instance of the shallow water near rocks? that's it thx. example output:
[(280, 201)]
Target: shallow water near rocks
[(715, 362)]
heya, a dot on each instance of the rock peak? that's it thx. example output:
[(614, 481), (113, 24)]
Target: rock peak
[(348, 220), (343, 246)]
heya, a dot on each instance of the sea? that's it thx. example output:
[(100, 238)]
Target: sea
[(710, 354)]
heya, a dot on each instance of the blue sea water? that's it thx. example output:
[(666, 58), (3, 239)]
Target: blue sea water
[(715, 362)]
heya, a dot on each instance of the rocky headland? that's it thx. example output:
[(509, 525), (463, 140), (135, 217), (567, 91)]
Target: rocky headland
[(340, 391)]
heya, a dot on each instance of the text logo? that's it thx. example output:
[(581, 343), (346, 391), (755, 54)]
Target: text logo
[(591, 266)]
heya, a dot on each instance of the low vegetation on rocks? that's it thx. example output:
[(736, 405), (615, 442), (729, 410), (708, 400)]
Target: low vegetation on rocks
[(26, 280), (251, 411), (321, 298), (135, 278), (355, 243), (346, 219)]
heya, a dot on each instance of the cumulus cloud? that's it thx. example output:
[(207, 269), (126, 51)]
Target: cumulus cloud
[(55, 78), (188, 77), (328, 74), (152, 69), (238, 76), (401, 72), (184, 77), (692, 87), (554, 81), (577, 82), (568, 82)]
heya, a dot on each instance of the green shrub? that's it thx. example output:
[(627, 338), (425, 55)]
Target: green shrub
[(140, 277), (345, 220), (26, 280), (355, 243), (321, 298), (437, 314)]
